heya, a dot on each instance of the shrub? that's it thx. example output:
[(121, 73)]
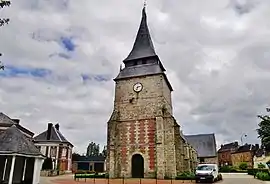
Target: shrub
[(243, 166), (254, 171), (185, 176), (261, 166), (263, 176), (227, 169)]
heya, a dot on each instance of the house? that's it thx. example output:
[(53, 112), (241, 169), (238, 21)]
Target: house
[(205, 145), (20, 160), (54, 145), (224, 153), (89, 163), (6, 122), (244, 153), (261, 157)]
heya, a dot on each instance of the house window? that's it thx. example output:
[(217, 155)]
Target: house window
[(201, 160), (53, 151), (144, 61)]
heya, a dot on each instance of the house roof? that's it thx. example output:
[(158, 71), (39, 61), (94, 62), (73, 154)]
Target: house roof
[(56, 136), (204, 144), (246, 148), (13, 141), (228, 147), (90, 158), (6, 121)]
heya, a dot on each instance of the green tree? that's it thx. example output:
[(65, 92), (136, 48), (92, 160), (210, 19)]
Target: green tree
[(3, 21), (92, 149), (104, 151), (264, 131)]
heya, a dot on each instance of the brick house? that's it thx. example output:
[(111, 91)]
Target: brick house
[(205, 145), (224, 153), (244, 153), (54, 145)]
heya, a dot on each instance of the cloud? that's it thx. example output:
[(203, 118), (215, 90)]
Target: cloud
[(61, 57)]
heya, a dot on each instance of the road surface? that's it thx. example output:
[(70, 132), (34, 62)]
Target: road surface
[(228, 178), (239, 178)]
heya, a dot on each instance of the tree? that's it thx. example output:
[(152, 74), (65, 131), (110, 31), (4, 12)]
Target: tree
[(3, 21), (264, 131), (104, 151), (92, 149), (4, 3)]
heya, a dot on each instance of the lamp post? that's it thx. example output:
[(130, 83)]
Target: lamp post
[(244, 135)]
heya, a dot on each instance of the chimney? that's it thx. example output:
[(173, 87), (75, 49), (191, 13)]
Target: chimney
[(49, 131), (257, 146), (57, 126), (17, 121)]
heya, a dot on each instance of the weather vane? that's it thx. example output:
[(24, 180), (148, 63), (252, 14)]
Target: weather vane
[(145, 3)]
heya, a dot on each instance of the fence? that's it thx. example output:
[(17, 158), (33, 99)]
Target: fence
[(132, 181)]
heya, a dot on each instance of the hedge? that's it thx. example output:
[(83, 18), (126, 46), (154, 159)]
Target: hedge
[(254, 171), (231, 169), (264, 176), (90, 175), (185, 176)]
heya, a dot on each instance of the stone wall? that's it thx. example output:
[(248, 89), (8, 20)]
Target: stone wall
[(142, 123)]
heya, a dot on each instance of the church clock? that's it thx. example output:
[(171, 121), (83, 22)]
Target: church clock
[(138, 87)]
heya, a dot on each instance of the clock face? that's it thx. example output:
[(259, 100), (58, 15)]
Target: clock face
[(138, 87)]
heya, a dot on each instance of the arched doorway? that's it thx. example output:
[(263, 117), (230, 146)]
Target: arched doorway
[(137, 166)]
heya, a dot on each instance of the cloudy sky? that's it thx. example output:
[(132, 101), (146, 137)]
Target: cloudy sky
[(61, 57)]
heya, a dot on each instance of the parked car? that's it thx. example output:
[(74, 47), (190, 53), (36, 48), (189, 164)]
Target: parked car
[(207, 173)]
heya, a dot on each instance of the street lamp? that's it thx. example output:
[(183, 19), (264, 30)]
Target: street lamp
[(244, 135)]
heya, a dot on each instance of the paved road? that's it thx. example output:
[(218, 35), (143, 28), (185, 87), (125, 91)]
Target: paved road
[(239, 179), (227, 179)]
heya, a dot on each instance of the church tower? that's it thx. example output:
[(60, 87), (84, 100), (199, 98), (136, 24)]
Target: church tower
[(143, 136)]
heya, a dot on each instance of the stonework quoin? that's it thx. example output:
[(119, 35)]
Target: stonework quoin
[(144, 139)]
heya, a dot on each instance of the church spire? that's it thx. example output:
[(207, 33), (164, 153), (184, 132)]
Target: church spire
[(143, 46)]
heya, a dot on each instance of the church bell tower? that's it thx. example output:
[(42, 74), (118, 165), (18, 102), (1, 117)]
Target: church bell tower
[(142, 133)]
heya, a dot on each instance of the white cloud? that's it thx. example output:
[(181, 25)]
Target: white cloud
[(217, 61)]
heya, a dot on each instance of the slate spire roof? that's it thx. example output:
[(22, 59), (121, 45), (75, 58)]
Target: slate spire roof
[(142, 60), (143, 46), (13, 141)]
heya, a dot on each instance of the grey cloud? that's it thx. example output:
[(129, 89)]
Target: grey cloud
[(216, 60)]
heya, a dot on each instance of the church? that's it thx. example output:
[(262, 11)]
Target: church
[(143, 138)]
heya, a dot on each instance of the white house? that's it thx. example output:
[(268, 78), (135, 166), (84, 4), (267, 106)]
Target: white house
[(54, 145), (20, 160)]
